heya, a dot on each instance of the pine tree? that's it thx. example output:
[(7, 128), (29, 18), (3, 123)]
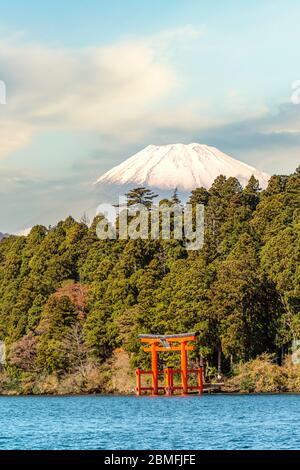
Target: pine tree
[(140, 195)]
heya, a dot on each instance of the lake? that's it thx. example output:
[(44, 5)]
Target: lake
[(112, 422)]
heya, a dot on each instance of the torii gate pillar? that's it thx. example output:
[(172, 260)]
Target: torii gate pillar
[(184, 368), (154, 367)]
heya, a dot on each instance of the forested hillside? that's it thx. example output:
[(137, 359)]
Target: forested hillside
[(69, 300)]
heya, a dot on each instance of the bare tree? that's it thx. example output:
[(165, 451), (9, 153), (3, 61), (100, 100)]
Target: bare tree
[(75, 349)]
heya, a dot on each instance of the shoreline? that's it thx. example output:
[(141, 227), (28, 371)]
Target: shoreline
[(120, 395)]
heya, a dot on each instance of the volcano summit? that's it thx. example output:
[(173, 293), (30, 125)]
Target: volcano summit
[(181, 166)]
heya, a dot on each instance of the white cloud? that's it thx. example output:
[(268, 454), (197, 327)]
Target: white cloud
[(111, 90), (174, 38), (13, 135), (125, 92), (24, 233)]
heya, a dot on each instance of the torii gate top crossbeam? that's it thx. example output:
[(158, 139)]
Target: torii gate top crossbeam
[(182, 337)]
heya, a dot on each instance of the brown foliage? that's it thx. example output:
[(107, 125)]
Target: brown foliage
[(78, 294), (122, 375), (258, 376), (22, 353), (292, 373)]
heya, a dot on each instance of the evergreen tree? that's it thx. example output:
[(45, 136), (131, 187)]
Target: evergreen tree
[(140, 195)]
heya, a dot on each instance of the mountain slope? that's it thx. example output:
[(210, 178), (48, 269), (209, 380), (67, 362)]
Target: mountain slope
[(178, 165)]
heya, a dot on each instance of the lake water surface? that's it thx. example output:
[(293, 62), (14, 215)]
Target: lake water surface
[(111, 422)]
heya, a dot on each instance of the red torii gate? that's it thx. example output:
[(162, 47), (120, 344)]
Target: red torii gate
[(165, 343)]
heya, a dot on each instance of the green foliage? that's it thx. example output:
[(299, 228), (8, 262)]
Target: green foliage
[(68, 298)]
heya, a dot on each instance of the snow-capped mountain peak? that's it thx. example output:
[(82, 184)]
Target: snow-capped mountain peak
[(181, 166)]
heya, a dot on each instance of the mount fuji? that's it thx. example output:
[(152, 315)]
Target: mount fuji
[(181, 166)]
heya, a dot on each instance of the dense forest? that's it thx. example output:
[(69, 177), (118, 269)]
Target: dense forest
[(69, 301)]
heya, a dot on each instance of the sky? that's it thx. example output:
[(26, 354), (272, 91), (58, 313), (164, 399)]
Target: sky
[(88, 84)]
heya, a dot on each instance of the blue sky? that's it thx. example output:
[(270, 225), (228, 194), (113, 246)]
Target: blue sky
[(89, 83)]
